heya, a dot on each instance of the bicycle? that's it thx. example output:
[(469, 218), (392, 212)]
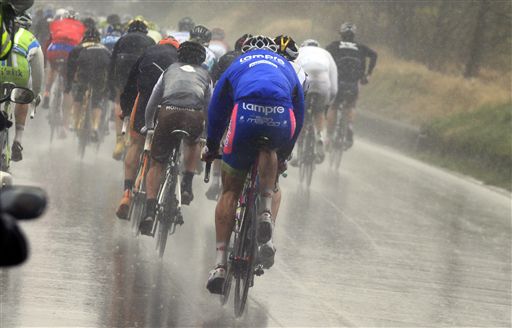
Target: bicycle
[(306, 150), (242, 263), (84, 123), (138, 203), (10, 93), (168, 209), (339, 144), (55, 114)]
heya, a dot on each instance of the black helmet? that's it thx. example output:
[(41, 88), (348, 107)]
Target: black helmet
[(186, 24), (191, 52), (89, 22), (259, 42), (91, 35), (287, 47), (201, 34), (137, 25), (348, 31), (114, 19), (240, 42), (19, 6)]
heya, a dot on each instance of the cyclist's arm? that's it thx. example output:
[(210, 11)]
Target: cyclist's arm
[(333, 77), (154, 101), (372, 55), (112, 68), (298, 111), (36, 60), (219, 110), (130, 90), (72, 67)]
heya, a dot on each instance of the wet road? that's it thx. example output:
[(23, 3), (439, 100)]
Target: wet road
[(388, 241)]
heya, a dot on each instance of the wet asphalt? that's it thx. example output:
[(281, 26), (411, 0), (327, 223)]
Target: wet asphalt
[(386, 241)]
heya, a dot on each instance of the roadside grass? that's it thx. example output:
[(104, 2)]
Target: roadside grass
[(478, 143), (467, 123)]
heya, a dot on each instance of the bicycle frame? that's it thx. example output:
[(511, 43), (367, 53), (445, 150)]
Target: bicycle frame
[(5, 150)]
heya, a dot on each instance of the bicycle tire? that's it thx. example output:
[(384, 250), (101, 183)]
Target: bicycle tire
[(244, 248), (138, 209), (338, 143), (5, 152)]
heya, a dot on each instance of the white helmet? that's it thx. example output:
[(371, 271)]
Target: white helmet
[(310, 43), (259, 42), (60, 14)]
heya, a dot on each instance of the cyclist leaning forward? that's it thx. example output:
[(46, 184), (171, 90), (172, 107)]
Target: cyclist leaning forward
[(134, 99), (127, 51), (87, 71), (183, 92), (350, 58), (25, 68), (264, 98)]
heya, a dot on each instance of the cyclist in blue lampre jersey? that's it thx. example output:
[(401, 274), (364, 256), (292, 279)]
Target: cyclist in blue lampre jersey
[(260, 96)]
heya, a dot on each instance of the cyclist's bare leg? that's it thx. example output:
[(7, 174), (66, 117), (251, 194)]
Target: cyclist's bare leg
[(154, 178), (120, 140), (75, 114), (96, 118), (20, 114), (267, 172), (319, 122), (132, 156), (191, 155), (50, 77), (276, 203)]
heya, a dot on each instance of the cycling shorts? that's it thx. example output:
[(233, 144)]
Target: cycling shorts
[(15, 69), (138, 116), (169, 120), (58, 51), (347, 94), (250, 121), (98, 93)]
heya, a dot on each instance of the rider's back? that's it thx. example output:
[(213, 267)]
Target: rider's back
[(254, 76), (350, 58), (320, 68), (93, 62), (67, 30)]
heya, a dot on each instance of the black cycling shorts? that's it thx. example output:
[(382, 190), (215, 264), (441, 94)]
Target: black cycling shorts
[(98, 93), (347, 94), (170, 120)]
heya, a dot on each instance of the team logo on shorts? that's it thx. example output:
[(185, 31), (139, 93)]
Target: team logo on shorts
[(263, 109)]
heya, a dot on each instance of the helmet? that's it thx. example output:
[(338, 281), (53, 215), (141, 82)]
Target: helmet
[(186, 24), (240, 42), (91, 35), (191, 52), (19, 6), (137, 25), (201, 34), (171, 41), (348, 30), (89, 23), (60, 14), (310, 43), (259, 42), (113, 19), (287, 47), (218, 34), (72, 14), (24, 20)]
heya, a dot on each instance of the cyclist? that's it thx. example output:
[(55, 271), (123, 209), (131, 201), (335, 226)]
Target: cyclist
[(202, 35), (218, 69), (183, 91), (113, 32), (126, 52), (218, 45), (9, 9), (141, 81), (66, 32), (185, 25), (87, 69), (350, 58), (322, 85), (27, 60), (263, 96), (287, 48)]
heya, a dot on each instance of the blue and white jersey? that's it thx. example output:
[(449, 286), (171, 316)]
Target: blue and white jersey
[(258, 77)]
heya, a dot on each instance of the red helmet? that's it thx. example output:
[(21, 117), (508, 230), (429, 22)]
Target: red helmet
[(170, 40)]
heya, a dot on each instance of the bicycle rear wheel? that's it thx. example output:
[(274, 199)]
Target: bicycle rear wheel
[(137, 211), (165, 210), (339, 142), (245, 251), (56, 101)]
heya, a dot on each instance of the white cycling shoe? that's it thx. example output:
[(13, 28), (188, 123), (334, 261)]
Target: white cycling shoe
[(266, 253), (265, 228), (216, 278)]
